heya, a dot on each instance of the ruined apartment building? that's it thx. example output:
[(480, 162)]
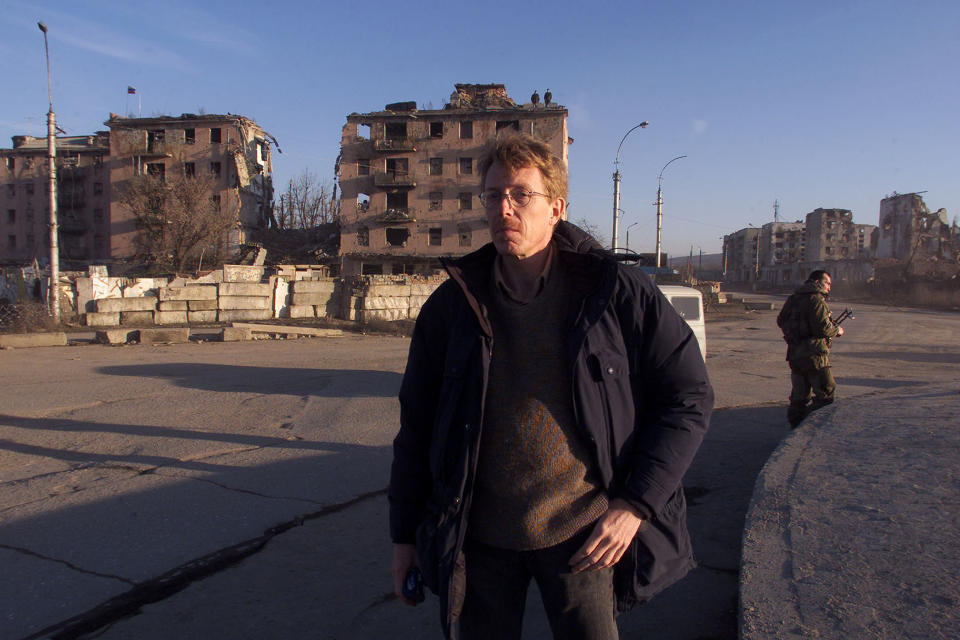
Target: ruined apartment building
[(409, 178), (741, 255), (908, 231), (782, 246), (832, 235), (231, 148), (83, 199)]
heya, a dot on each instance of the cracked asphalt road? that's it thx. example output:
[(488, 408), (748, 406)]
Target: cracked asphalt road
[(235, 489)]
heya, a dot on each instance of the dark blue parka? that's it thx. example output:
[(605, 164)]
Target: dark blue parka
[(641, 397)]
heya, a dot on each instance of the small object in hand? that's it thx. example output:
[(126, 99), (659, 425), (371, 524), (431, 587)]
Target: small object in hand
[(413, 585)]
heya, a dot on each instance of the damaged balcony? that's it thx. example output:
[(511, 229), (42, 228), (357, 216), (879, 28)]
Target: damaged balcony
[(394, 144), (397, 214), (394, 179)]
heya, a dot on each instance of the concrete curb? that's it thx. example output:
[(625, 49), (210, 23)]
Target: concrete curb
[(19, 340), (851, 531)]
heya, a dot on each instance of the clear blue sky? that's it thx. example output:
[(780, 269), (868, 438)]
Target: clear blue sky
[(814, 104)]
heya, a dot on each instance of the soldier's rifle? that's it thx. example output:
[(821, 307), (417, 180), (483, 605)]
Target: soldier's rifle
[(846, 313)]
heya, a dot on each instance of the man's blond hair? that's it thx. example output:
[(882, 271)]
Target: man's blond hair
[(517, 150)]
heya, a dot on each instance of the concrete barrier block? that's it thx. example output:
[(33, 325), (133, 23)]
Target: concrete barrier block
[(312, 286), (136, 318), (172, 305), (310, 298), (303, 311), (47, 339), (398, 290), (236, 334), (386, 302), (281, 297), (163, 336), (202, 316), (109, 305), (118, 336), (242, 273), (189, 292), (245, 302), (239, 315), (370, 315), (171, 317), (422, 289), (97, 319), (245, 289), (418, 300), (201, 305)]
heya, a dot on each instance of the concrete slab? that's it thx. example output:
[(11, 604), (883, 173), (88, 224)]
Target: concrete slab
[(312, 286), (118, 336), (241, 315), (235, 334), (242, 273), (136, 318), (165, 336), (108, 305), (189, 292), (245, 289), (102, 319), (201, 305), (309, 298), (201, 316), (172, 305), (19, 340), (245, 302), (289, 329), (170, 317)]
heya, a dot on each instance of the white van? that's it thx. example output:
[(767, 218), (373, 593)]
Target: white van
[(689, 304)]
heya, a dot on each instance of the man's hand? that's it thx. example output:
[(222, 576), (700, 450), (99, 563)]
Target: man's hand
[(610, 539), (404, 559), (839, 331)]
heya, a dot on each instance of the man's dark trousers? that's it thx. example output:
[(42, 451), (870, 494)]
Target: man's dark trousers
[(579, 606), (807, 381)]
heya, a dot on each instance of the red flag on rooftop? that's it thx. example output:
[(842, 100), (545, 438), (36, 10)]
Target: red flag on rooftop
[(131, 90)]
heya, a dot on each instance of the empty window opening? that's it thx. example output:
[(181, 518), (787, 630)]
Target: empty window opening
[(436, 129), (158, 170), (11, 163), (11, 190), (98, 214), (436, 200), (215, 169), (29, 187), (11, 216), (397, 201), (398, 166), (363, 236), (363, 202), (215, 135), (215, 199), (396, 130), (466, 129), (465, 234), (97, 188), (466, 166), (189, 169), (466, 201), (435, 236), (11, 241), (31, 241), (508, 124), (190, 136), (155, 140), (397, 237), (436, 166), (371, 269), (363, 167), (363, 131)]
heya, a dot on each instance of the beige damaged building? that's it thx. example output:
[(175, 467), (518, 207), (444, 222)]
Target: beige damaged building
[(233, 149), (913, 235), (409, 178)]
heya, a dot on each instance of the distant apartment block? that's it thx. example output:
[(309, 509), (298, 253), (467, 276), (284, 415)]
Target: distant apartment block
[(232, 149), (409, 178), (83, 198), (832, 235), (741, 255), (94, 226)]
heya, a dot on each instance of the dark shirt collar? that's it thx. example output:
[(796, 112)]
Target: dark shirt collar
[(511, 294)]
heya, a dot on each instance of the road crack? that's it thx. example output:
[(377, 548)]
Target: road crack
[(69, 565), (179, 578)]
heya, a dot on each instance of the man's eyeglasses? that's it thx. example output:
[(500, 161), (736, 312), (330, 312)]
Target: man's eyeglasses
[(519, 198)]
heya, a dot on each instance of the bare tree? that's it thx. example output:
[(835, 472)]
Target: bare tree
[(180, 219), (591, 229), (307, 203)]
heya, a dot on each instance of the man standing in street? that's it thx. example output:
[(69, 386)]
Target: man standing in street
[(808, 329), (552, 401)]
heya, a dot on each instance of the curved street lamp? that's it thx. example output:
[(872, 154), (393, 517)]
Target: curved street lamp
[(616, 186), (630, 226), (52, 169), (660, 206)]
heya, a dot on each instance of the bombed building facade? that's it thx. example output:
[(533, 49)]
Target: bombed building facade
[(924, 242), (409, 178), (94, 225)]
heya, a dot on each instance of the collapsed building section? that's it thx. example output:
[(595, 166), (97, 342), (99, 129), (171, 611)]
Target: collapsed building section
[(923, 243), (409, 178)]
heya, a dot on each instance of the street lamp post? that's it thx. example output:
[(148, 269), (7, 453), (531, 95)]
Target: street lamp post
[(616, 187), (630, 226), (660, 206), (52, 170)]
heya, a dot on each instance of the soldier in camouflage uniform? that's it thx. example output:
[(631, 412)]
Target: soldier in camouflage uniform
[(808, 329)]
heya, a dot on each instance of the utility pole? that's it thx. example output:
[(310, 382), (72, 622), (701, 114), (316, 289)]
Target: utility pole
[(616, 188), (660, 206), (52, 169), (776, 211)]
